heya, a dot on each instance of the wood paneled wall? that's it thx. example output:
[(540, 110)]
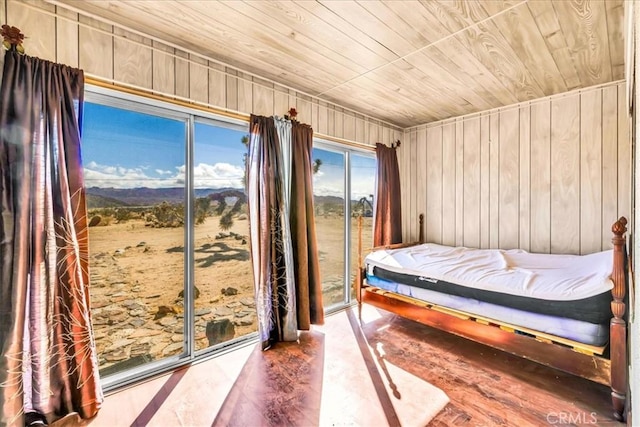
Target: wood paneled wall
[(122, 57), (550, 176)]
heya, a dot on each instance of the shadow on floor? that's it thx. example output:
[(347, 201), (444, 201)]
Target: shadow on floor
[(280, 386)]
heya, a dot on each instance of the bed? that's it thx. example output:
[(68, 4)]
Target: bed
[(563, 311)]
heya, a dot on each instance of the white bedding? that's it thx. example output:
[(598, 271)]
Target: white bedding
[(514, 272)]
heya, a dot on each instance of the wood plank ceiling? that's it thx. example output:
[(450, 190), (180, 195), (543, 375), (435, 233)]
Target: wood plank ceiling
[(406, 62)]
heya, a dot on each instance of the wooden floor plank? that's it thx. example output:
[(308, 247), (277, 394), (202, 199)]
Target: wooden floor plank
[(365, 373)]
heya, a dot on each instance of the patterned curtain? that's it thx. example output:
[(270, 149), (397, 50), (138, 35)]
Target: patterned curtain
[(48, 362), (271, 253), (282, 226), (387, 228)]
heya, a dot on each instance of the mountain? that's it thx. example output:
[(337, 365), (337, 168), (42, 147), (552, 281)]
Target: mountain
[(142, 196), (99, 197), (95, 201), (329, 200)]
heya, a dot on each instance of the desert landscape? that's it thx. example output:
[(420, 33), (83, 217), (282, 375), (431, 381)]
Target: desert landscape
[(137, 270)]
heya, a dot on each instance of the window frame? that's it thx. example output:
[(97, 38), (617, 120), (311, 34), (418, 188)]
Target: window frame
[(123, 99), (190, 116)]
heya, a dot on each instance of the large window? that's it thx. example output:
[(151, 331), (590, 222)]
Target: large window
[(169, 259), (168, 249)]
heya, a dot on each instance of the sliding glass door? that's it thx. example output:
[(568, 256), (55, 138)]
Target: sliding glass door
[(343, 189), (134, 159), (168, 248), (363, 182), (169, 260), (223, 292)]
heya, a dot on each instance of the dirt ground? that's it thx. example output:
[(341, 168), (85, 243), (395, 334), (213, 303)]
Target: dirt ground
[(137, 275)]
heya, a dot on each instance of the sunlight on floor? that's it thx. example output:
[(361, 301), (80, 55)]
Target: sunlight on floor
[(358, 386)]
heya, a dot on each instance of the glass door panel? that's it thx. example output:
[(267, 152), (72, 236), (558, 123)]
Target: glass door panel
[(363, 181), (224, 297), (134, 175), (329, 199)]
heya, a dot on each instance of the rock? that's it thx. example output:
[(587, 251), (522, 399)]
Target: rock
[(118, 318), (249, 302), (196, 292), (242, 217), (119, 252), (163, 310), (245, 321), (140, 349), (119, 345), (220, 330), (136, 323), (95, 221), (223, 311), (144, 333), (99, 304), (177, 338), (141, 244), (229, 291), (202, 311), (116, 356), (172, 349), (234, 304), (168, 321)]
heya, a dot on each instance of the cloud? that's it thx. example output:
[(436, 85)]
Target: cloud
[(97, 175), (219, 175), (331, 183)]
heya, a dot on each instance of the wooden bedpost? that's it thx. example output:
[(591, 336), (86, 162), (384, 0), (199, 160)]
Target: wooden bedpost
[(421, 229), (618, 332), (360, 273)]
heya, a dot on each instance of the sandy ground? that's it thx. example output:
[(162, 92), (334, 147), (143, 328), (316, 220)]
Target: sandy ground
[(138, 271)]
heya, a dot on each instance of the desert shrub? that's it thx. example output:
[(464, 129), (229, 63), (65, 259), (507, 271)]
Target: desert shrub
[(202, 209), (122, 215), (166, 215), (226, 221)]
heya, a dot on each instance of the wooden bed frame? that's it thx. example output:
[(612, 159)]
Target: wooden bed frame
[(606, 365)]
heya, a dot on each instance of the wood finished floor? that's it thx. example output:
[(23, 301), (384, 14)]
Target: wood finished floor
[(382, 374)]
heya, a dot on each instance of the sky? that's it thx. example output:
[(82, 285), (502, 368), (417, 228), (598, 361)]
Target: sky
[(126, 149)]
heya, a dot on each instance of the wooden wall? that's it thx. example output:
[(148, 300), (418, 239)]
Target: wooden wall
[(122, 57), (550, 176)]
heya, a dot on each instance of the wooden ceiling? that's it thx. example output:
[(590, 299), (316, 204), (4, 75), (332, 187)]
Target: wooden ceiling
[(405, 62)]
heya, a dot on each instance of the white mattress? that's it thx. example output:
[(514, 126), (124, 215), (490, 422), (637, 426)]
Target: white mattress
[(513, 272)]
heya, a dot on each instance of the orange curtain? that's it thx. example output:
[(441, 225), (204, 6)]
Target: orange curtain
[(303, 230), (387, 227), (48, 362)]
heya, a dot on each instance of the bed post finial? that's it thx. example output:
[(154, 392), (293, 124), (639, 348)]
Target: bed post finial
[(421, 228), (618, 331)]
